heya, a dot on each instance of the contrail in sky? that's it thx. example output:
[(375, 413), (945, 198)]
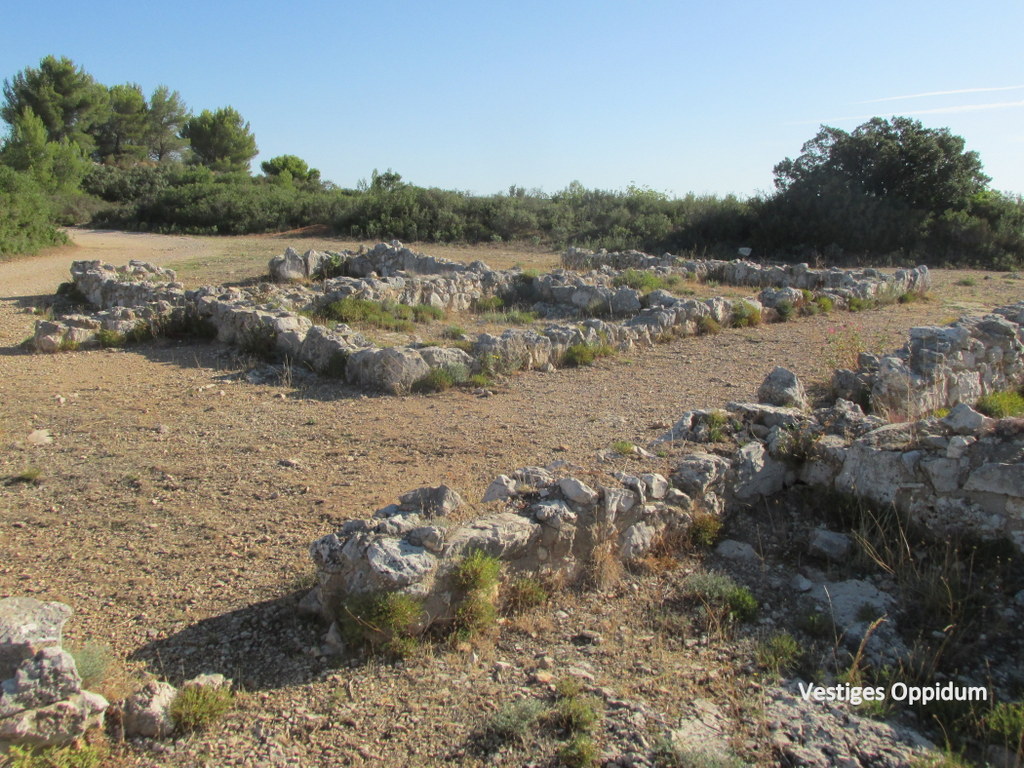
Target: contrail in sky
[(943, 93), (935, 111)]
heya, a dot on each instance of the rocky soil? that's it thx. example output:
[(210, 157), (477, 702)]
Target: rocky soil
[(170, 491)]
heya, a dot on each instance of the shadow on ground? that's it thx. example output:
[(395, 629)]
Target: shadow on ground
[(262, 646)]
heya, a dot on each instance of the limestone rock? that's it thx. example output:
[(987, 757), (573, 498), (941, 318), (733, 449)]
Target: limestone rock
[(829, 545), (781, 387), (431, 502), (147, 712), (28, 625)]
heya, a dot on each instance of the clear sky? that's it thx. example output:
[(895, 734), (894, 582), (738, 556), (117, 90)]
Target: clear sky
[(677, 96)]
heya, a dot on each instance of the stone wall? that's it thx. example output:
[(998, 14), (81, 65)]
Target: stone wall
[(941, 366), (550, 523), (859, 283)]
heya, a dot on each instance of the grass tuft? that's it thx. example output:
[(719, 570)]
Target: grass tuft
[(199, 707)]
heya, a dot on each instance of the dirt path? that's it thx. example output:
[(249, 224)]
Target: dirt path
[(177, 499)]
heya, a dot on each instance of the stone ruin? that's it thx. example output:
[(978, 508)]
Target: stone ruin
[(959, 473), (42, 703), (272, 318)]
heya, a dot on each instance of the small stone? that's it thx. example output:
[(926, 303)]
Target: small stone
[(829, 545), (39, 437)]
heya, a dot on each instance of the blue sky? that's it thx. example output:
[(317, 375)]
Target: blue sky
[(677, 96)]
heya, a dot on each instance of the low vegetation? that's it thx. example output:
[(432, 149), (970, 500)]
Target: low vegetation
[(198, 707)]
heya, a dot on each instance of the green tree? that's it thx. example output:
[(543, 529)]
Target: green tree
[(122, 138), (221, 140), (165, 119), (290, 167), (65, 97), (54, 165), (898, 159), (26, 217)]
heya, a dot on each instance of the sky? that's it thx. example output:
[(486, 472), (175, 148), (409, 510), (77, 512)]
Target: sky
[(677, 97)]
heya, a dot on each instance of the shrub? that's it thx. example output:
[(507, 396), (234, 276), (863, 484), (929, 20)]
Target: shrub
[(576, 713), (423, 313), (579, 752), (967, 282), (778, 654), (384, 620), (586, 353), (784, 309), (704, 530), (453, 332), (1002, 405), (524, 593), (480, 380), (640, 280), (27, 220), (442, 378), (198, 707), (107, 338), (858, 304), (706, 324), (624, 447), (478, 572), (488, 304), (93, 661), (717, 422), (722, 599), (825, 304), (515, 721), (745, 314)]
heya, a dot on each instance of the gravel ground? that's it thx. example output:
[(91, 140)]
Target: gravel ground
[(177, 498)]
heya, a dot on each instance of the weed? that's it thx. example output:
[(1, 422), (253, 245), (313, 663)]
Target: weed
[(442, 378), (603, 567), (818, 625), (424, 313), (945, 759), (93, 661), (722, 602), (478, 572), (578, 752), (704, 530), (576, 713), (707, 324), (67, 345), (825, 304), (784, 310), (779, 654), (909, 297), (377, 314), (967, 282), (668, 754), (717, 422), (381, 620), (640, 280), (74, 756), (585, 354), (107, 338), (858, 304), (624, 447), (515, 721), (1005, 723), (1002, 405), (30, 476), (198, 707), (488, 304), (455, 332), (745, 315), (525, 593), (479, 380)]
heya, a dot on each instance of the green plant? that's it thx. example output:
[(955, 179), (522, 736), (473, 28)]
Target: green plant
[(578, 752), (779, 654), (107, 338), (74, 756), (640, 280), (967, 282), (718, 420), (857, 304), (480, 380), (442, 378), (488, 304), (586, 353), (525, 593), (1001, 405), (669, 754), (1005, 723), (30, 476), (707, 324), (745, 315), (624, 447), (515, 721), (423, 313), (67, 345), (196, 708), (704, 529), (93, 661), (453, 332), (825, 304), (784, 310), (721, 600), (385, 621), (576, 713), (478, 571)]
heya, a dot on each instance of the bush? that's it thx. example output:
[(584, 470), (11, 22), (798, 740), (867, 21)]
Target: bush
[(442, 378), (778, 654), (381, 620), (1002, 405), (198, 707), (721, 599), (27, 221), (784, 309), (514, 722), (640, 280), (579, 752), (75, 756), (477, 572), (707, 324), (585, 354), (525, 593), (745, 314)]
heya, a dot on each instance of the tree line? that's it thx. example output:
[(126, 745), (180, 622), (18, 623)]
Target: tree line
[(891, 191)]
